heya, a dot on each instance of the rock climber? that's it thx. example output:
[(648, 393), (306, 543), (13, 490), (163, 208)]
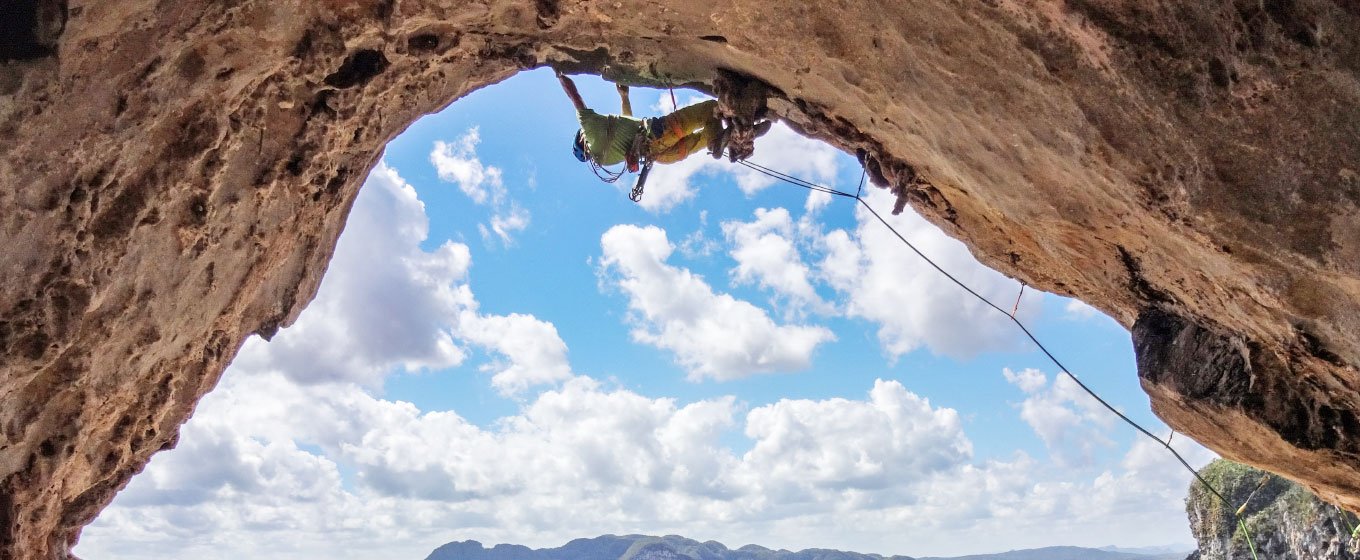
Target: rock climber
[(611, 139)]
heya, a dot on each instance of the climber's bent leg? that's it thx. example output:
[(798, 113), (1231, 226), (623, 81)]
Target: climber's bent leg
[(684, 147), (668, 130)]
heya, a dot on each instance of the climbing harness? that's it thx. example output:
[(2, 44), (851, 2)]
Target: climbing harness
[(637, 155), (635, 195), (1018, 323)]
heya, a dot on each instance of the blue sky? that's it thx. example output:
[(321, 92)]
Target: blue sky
[(507, 349)]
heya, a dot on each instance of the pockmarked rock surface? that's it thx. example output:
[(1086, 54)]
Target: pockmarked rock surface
[(176, 174)]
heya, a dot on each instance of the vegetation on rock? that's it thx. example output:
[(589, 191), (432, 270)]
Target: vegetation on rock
[(1282, 519)]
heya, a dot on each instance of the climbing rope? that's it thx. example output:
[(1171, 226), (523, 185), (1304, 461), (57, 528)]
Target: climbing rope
[(1345, 518), (1018, 323), (1241, 521), (606, 174), (1251, 545)]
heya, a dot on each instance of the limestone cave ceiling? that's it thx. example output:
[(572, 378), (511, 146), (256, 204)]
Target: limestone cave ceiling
[(176, 175)]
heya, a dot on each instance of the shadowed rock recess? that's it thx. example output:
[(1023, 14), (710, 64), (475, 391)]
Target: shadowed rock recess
[(176, 174)]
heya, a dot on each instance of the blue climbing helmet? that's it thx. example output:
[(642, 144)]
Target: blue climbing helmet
[(578, 146)]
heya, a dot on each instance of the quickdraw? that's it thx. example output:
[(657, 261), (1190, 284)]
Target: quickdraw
[(641, 145), (636, 194), (641, 153)]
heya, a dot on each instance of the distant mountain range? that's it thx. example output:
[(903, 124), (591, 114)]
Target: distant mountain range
[(671, 547)]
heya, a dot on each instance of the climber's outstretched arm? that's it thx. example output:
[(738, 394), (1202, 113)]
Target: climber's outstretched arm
[(623, 96), (570, 88)]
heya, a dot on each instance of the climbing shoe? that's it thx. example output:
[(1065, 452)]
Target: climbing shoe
[(718, 142), (763, 127)]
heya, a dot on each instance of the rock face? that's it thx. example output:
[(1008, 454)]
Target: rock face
[(176, 175), (1284, 521)]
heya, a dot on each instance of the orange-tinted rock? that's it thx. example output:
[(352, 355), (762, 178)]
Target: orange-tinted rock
[(176, 174)]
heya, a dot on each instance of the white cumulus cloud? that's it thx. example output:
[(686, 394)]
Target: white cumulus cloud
[(387, 302), (505, 224), (383, 299), (712, 335), (790, 153), (1071, 422), (457, 162), (842, 445), (914, 305), (534, 352), (766, 254), (669, 185), (270, 467)]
